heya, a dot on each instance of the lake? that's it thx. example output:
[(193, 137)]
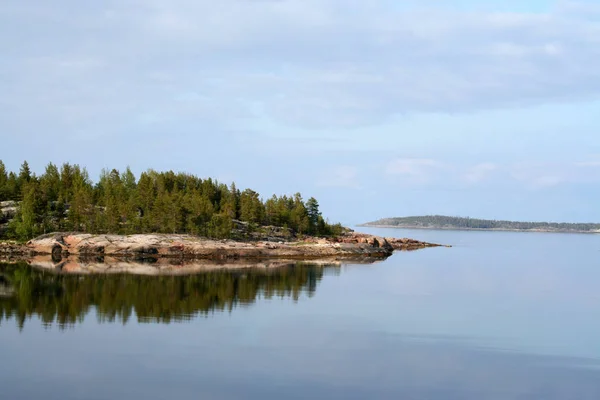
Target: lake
[(500, 315)]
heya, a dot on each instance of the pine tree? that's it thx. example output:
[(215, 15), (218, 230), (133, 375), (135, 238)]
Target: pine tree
[(200, 212), (81, 209), (24, 173), (251, 208), (12, 187), (312, 209), (146, 197), (299, 217), (50, 183), (66, 182), (27, 221), (220, 226), (4, 195), (166, 202), (23, 178), (272, 214)]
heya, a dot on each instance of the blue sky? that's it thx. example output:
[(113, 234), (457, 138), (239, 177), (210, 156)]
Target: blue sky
[(380, 108)]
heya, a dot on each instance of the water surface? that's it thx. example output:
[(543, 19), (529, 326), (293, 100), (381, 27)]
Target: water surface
[(499, 316)]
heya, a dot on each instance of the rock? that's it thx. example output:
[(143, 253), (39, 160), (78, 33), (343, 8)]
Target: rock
[(155, 246), (11, 250), (8, 210)]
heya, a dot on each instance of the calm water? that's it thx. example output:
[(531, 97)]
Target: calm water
[(499, 316)]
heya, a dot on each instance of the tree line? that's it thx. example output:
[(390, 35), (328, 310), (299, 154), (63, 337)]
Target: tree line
[(66, 199), (442, 221)]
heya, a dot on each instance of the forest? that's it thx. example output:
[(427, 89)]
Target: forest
[(66, 199), (445, 222)]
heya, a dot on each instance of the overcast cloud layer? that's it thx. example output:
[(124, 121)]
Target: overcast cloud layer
[(263, 80)]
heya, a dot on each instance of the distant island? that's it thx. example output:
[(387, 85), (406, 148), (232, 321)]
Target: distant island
[(465, 223)]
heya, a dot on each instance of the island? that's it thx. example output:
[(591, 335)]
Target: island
[(151, 247), (64, 216), (465, 223)]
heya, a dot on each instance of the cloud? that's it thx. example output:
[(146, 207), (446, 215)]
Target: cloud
[(343, 176), (526, 175), (549, 175), (84, 67), (479, 172), (588, 164), (414, 170), (547, 181)]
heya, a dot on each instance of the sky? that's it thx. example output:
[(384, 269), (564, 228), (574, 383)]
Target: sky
[(377, 108)]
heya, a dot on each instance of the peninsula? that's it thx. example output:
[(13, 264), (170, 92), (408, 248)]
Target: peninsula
[(62, 214), (461, 223), (350, 245)]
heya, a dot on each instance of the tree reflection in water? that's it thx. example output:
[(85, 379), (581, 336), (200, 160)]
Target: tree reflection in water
[(65, 299)]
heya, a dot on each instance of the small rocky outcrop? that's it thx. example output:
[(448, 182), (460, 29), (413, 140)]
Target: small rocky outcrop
[(387, 243)]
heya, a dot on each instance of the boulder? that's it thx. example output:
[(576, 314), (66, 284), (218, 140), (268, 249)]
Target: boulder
[(8, 210)]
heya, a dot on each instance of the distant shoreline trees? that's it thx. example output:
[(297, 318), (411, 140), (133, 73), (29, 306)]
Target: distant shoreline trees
[(66, 199), (445, 222)]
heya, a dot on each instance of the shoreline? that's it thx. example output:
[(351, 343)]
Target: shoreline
[(426, 228), (56, 250)]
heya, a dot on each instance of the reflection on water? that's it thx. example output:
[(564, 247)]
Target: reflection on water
[(65, 299), (498, 316)]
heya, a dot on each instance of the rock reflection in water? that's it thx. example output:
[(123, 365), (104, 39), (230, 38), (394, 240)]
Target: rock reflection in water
[(65, 299), (159, 266)]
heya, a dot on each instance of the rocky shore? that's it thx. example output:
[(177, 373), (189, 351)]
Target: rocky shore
[(351, 246)]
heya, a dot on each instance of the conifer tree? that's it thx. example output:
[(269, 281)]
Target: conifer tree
[(24, 173), (313, 213), (3, 183), (27, 221), (251, 208), (12, 187), (66, 199), (50, 183)]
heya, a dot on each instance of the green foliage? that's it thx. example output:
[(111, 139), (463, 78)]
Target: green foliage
[(4, 195), (29, 217), (316, 222), (220, 226), (159, 202), (24, 174), (12, 189), (251, 207)]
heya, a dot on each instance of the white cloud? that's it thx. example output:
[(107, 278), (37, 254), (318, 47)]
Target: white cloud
[(312, 63), (547, 181), (526, 175), (344, 176), (548, 175), (479, 172), (414, 170), (591, 164)]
